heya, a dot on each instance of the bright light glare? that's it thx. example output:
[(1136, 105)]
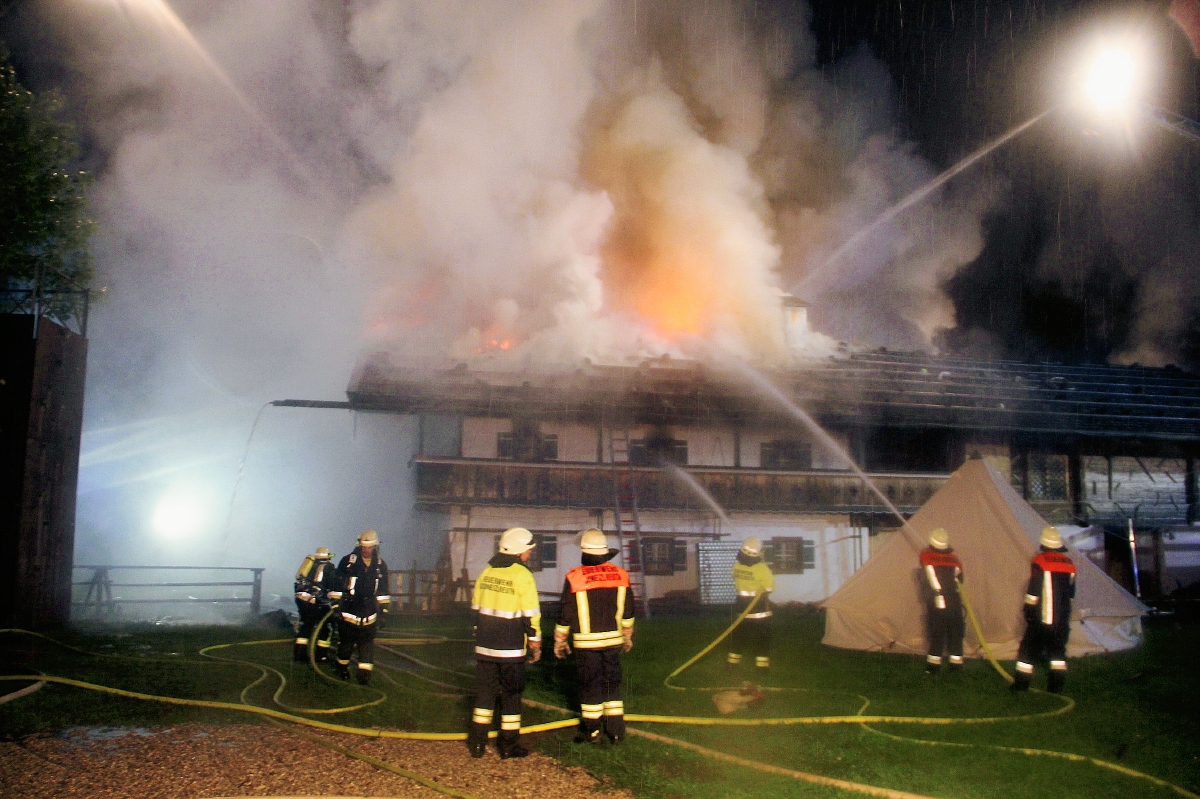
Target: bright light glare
[(1111, 79), (180, 514)]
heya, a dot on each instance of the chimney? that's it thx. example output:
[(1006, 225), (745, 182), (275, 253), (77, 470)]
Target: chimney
[(795, 323)]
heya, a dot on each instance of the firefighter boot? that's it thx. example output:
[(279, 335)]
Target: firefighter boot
[(1020, 682), (587, 737), (512, 749), (477, 735), (364, 673), (1058, 681), (300, 652), (343, 670)]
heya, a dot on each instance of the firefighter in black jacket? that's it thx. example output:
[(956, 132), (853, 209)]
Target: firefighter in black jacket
[(1047, 613), (597, 613), (508, 616), (315, 579), (362, 595), (943, 574)]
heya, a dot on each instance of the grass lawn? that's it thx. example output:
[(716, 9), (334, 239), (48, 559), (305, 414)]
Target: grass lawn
[(1138, 709)]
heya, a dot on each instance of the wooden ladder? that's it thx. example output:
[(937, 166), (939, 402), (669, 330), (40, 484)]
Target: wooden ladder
[(625, 512)]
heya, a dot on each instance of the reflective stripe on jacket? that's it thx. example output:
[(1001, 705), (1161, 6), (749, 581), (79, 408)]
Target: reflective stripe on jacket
[(509, 613), (597, 607)]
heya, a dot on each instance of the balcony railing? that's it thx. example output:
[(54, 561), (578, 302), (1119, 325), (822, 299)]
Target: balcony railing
[(458, 481)]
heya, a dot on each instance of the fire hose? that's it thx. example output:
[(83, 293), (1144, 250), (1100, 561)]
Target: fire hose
[(859, 717)]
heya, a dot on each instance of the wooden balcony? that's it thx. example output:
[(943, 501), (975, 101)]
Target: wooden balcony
[(443, 482)]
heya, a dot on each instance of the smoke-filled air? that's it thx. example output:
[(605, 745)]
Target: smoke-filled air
[(559, 181), (284, 189)]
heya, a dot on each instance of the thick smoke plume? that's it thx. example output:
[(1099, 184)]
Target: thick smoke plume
[(285, 186)]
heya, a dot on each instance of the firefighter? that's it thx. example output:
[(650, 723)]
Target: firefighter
[(752, 578), (508, 617), (943, 610), (597, 614), (1047, 613), (362, 596), (315, 579)]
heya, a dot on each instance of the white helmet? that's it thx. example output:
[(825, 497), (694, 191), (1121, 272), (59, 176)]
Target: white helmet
[(323, 553), (369, 538), (516, 540), (939, 538), (593, 542), (752, 546), (1051, 539)]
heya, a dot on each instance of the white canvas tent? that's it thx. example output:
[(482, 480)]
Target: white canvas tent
[(994, 532)]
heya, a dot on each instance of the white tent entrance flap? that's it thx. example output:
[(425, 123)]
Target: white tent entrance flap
[(716, 559), (994, 532)]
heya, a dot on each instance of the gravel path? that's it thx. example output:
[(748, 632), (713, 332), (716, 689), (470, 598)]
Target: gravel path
[(201, 760)]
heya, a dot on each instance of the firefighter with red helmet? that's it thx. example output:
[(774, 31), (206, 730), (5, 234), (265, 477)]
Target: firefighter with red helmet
[(596, 614), (1047, 613), (943, 574), (314, 580), (507, 626), (362, 597)]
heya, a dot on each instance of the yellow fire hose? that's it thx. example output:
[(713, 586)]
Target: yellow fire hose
[(857, 718)]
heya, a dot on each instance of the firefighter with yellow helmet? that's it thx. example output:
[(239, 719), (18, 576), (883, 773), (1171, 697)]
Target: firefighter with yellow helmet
[(314, 580), (362, 595), (508, 620), (752, 579), (596, 613)]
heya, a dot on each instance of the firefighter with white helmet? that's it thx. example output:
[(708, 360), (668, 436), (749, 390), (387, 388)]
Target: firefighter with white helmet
[(752, 579), (507, 628), (362, 597), (314, 580), (1047, 613), (596, 613), (942, 574)]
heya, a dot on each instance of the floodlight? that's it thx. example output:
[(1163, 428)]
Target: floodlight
[(1111, 79), (179, 514)]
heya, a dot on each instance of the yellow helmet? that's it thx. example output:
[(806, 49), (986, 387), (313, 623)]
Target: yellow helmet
[(939, 538), (369, 538), (593, 542), (516, 540), (1051, 539), (752, 546), (323, 553)]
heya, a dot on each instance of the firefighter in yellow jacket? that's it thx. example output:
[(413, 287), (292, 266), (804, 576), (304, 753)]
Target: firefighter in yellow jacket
[(508, 616), (597, 614), (752, 579)]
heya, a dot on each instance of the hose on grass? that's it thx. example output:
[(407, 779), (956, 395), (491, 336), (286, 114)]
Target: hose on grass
[(865, 721)]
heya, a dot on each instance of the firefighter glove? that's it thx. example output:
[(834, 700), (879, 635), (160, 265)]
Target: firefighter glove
[(561, 648), (627, 644), (535, 651)]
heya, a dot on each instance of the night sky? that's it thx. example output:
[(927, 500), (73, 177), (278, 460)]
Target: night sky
[(967, 71)]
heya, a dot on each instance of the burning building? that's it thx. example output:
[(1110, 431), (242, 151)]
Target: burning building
[(680, 459)]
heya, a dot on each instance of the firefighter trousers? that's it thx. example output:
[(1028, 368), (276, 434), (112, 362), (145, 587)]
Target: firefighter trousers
[(599, 675), (311, 614), (751, 638), (945, 628), (1043, 642), (503, 681), (360, 641)]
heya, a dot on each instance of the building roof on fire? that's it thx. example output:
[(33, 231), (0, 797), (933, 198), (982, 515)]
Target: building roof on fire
[(880, 388)]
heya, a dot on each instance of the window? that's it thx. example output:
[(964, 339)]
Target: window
[(786, 455), (664, 556), (648, 452), (530, 447), (1047, 477), (504, 446), (791, 555)]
